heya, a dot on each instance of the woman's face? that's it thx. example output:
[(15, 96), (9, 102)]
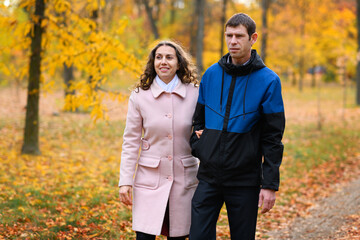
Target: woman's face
[(166, 63)]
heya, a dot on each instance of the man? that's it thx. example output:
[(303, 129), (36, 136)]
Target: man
[(238, 126)]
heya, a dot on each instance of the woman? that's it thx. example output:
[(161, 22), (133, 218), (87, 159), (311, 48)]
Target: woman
[(159, 122)]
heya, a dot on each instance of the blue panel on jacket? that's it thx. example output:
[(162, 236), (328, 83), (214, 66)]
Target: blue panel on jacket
[(262, 96)]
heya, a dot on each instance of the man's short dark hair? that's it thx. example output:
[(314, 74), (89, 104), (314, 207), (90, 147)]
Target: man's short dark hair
[(242, 19)]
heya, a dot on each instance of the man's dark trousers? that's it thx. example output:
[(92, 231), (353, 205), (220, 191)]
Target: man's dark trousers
[(241, 204)]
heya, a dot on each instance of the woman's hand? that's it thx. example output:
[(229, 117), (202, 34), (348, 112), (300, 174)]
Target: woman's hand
[(198, 133), (125, 194)]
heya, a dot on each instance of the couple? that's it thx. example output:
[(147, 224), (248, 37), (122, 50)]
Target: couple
[(237, 117)]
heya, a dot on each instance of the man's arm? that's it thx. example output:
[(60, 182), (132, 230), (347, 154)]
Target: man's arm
[(198, 122), (273, 125), (198, 126)]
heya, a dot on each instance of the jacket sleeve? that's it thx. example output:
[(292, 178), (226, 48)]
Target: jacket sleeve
[(131, 142), (272, 132), (198, 122)]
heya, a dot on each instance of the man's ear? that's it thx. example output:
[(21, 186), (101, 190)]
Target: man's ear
[(253, 38)]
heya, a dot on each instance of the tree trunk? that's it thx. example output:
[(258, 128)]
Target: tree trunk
[(302, 57), (293, 80), (68, 81), (358, 54), (68, 72), (94, 17), (68, 78), (151, 19), (31, 132), (157, 10), (313, 76), (193, 29), (223, 19), (172, 12), (107, 14), (320, 119), (344, 91), (265, 7), (301, 72), (200, 36), (138, 5)]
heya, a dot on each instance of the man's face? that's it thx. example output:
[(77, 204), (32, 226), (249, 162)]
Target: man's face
[(239, 44)]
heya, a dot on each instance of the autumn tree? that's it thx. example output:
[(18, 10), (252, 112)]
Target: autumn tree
[(149, 12), (172, 11), (68, 74), (68, 79), (200, 35), (305, 34), (302, 6), (31, 132), (358, 54), (193, 28), (92, 53), (223, 22), (265, 4)]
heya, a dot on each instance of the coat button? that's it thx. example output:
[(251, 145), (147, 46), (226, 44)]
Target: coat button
[(170, 157), (169, 137), (169, 178), (169, 115)]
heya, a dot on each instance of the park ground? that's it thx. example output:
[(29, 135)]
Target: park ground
[(70, 190)]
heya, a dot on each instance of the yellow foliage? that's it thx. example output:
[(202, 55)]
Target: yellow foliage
[(73, 40), (318, 31), (5, 70), (122, 24)]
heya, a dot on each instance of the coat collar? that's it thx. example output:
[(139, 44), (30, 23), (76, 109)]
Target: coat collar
[(156, 90)]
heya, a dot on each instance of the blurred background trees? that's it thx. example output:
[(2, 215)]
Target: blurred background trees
[(94, 49), (295, 35)]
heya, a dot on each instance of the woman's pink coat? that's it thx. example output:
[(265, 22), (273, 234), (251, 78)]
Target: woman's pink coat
[(166, 170)]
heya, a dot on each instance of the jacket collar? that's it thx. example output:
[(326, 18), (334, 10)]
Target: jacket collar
[(156, 90), (254, 63)]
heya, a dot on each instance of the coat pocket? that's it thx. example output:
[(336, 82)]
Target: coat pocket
[(147, 173), (191, 165)]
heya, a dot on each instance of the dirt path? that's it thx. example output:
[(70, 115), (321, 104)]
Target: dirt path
[(335, 217)]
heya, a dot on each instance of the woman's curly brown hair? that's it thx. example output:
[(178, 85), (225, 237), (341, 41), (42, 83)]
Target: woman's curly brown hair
[(186, 72)]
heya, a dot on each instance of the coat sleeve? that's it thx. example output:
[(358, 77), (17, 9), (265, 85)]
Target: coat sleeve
[(272, 132), (131, 142), (198, 122)]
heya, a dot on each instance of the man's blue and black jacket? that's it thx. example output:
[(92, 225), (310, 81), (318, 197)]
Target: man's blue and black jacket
[(241, 111)]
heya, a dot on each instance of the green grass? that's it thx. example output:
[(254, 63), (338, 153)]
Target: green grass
[(309, 147)]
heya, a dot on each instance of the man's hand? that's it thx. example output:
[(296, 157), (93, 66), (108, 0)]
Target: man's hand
[(125, 194), (267, 199), (198, 133)]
